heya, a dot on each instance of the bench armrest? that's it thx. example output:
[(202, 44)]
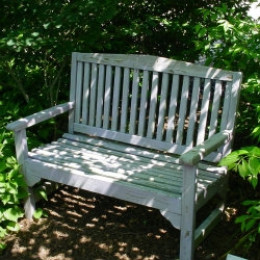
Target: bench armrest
[(199, 152), (39, 117)]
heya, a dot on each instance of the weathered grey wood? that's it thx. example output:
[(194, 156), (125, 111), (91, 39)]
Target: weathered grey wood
[(233, 257), (100, 95), (153, 102), (204, 112), (72, 89), (40, 117), (93, 93), (182, 110), (158, 64), (172, 108), (86, 93), (78, 92), (162, 107), (201, 151), (143, 129), (143, 104), (208, 224), (108, 87), (132, 125), (124, 104), (188, 201)]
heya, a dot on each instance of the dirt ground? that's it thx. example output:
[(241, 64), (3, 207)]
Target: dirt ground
[(83, 225)]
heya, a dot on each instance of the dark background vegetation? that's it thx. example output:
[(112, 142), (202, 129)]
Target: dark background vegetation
[(37, 38)]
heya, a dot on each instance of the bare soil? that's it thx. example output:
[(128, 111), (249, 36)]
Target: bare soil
[(83, 225)]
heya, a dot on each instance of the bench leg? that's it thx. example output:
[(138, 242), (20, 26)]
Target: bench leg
[(188, 212), (29, 205)]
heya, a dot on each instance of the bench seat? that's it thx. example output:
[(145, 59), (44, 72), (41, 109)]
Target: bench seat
[(130, 173)]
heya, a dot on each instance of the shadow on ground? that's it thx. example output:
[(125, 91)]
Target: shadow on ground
[(83, 225)]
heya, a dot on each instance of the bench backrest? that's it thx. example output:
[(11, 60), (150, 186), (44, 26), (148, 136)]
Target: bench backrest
[(151, 101)]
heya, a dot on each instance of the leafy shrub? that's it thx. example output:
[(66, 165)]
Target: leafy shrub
[(12, 191)]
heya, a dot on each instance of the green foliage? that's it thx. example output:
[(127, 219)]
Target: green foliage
[(12, 191)]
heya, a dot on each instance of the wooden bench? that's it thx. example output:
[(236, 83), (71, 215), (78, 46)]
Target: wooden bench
[(143, 129)]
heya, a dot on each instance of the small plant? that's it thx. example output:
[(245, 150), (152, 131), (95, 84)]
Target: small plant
[(12, 191)]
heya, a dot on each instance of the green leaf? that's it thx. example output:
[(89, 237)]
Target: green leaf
[(243, 169), (13, 226), (38, 213), (254, 165), (2, 246), (43, 194), (13, 214)]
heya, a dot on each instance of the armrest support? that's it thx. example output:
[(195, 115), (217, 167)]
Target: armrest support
[(40, 117), (199, 152)]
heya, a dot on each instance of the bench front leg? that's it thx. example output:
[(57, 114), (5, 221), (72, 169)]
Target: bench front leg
[(21, 149), (188, 212)]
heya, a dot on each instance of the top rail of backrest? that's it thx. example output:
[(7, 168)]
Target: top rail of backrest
[(151, 101), (158, 64)]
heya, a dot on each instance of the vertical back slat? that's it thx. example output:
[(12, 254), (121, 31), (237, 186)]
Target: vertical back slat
[(182, 110), (215, 108), (143, 104), (93, 89), (78, 92), (115, 102), (172, 108), (227, 100), (124, 104), (100, 96), (162, 107), (153, 102), (132, 125), (72, 90), (193, 112), (108, 86), (85, 101), (204, 112)]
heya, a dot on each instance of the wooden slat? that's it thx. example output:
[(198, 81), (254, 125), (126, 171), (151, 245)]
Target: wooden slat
[(133, 193), (108, 87), (172, 108), (182, 109), (193, 112), (215, 108), (78, 92), (86, 94), (204, 112), (143, 104), (124, 105), (157, 64), (100, 96), (116, 94), (153, 103), (225, 110), (72, 89), (93, 94), (162, 107), (134, 93)]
